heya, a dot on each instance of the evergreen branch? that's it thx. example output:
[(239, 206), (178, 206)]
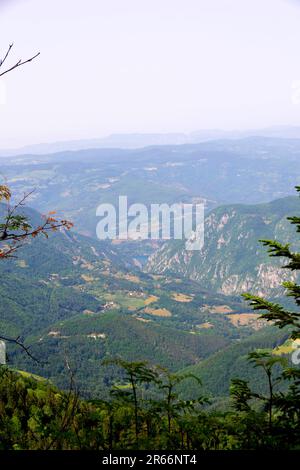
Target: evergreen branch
[(278, 249), (293, 290), (275, 312)]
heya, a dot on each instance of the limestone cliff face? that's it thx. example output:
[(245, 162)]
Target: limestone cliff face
[(232, 260), (266, 280)]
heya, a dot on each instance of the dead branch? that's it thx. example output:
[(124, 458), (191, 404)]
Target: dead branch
[(19, 343), (17, 64)]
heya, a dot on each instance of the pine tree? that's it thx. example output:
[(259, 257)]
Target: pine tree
[(274, 312)]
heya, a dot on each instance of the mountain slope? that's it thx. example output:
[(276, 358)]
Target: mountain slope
[(71, 295), (232, 260), (219, 369), (87, 340)]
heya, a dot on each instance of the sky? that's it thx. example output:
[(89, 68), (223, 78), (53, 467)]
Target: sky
[(123, 66)]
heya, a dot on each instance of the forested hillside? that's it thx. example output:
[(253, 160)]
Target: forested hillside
[(232, 261), (146, 359)]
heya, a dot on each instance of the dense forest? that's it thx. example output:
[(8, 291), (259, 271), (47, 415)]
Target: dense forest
[(145, 408)]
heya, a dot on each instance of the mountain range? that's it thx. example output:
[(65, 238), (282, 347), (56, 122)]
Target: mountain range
[(78, 297), (247, 171), (232, 260), (71, 295), (135, 140)]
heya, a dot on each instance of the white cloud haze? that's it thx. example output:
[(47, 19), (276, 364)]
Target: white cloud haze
[(147, 66)]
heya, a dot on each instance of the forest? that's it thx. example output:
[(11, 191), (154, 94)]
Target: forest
[(145, 409)]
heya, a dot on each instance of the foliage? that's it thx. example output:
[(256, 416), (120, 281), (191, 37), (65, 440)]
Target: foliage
[(146, 413), (15, 228), (272, 311)]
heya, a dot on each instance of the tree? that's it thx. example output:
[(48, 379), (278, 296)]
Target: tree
[(274, 312), (15, 228), (267, 361), (286, 403), (171, 402), (136, 374)]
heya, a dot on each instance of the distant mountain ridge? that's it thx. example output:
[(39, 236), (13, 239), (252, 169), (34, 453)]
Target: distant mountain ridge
[(250, 170), (140, 140)]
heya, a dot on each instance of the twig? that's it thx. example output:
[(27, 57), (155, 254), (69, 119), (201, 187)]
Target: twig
[(6, 55), (18, 64), (22, 345)]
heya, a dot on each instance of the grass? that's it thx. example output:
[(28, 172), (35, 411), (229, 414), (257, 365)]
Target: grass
[(122, 299), (218, 309), (87, 278), (182, 297), (151, 299), (205, 325), (286, 348), (247, 319), (159, 312)]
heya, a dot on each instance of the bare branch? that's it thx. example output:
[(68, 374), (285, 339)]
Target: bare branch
[(19, 343), (6, 55), (18, 64)]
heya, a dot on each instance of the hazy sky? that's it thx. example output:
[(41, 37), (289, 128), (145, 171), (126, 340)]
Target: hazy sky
[(148, 66)]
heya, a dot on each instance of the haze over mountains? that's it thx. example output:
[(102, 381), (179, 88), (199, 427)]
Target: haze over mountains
[(132, 141)]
